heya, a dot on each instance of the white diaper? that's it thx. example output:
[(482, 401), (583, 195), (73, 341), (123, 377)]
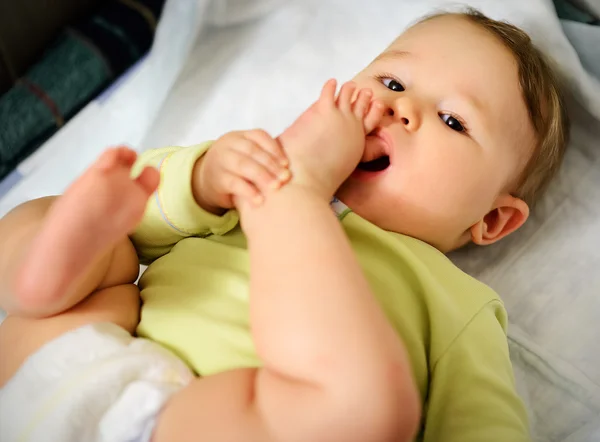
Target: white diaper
[(95, 383)]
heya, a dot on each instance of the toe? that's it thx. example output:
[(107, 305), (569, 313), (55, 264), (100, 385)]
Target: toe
[(148, 180), (108, 159), (115, 157), (126, 156), (374, 115), (345, 97), (328, 92), (361, 105)]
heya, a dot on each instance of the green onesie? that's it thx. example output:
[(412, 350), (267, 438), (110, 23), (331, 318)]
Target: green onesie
[(195, 302)]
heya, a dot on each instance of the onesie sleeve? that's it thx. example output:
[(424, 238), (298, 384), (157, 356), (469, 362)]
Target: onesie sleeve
[(472, 395), (172, 212)]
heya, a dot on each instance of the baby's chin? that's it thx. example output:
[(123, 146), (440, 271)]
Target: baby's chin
[(362, 185), (363, 202), (369, 203)]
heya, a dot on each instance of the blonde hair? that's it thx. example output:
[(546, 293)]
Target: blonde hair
[(542, 94)]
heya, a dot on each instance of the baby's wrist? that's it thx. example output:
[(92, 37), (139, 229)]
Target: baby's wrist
[(199, 189)]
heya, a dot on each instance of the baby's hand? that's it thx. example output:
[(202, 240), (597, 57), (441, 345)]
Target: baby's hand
[(326, 143), (244, 164)]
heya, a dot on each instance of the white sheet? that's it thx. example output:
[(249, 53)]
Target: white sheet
[(264, 72)]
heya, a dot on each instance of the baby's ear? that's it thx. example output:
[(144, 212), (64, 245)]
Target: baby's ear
[(508, 215)]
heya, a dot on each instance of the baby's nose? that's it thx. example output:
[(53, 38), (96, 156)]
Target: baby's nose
[(404, 120)]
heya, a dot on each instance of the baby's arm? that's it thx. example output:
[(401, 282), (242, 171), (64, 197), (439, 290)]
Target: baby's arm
[(197, 183), (172, 213), (472, 395)]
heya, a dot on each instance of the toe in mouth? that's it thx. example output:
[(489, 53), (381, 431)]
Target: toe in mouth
[(376, 165)]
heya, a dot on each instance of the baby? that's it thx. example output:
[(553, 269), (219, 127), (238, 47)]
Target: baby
[(301, 326)]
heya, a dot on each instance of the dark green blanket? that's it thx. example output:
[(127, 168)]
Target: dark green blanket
[(568, 10), (85, 59)]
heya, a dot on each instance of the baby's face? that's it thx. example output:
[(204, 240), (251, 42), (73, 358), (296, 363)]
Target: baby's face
[(456, 132)]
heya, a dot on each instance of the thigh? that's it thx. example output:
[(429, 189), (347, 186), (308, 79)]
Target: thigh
[(20, 337)]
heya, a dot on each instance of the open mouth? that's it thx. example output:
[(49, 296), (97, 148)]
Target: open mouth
[(376, 165)]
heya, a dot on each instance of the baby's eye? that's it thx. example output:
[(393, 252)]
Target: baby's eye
[(392, 84), (452, 123)]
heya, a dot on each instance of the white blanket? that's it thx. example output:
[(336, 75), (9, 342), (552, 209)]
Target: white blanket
[(263, 72)]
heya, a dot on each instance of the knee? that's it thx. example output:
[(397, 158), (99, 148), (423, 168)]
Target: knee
[(401, 416), (388, 409)]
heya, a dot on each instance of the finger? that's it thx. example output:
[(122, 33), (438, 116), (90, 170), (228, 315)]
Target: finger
[(254, 172), (362, 103), (269, 144), (374, 115), (241, 203), (240, 188), (328, 91), (344, 100), (254, 151)]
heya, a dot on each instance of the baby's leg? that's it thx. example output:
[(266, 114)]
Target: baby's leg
[(70, 243), (334, 369), (57, 251)]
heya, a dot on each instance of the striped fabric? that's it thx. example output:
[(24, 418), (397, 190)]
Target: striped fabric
[(84, 59)]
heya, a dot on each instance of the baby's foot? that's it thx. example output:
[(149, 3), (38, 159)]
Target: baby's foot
[(370, 112), (326, 142), (99, 209)]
